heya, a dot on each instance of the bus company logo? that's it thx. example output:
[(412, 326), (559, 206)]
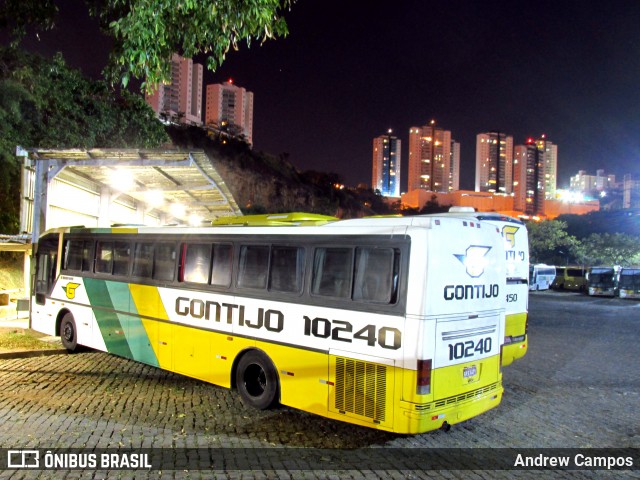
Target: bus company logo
[(509, 233), (23, 459), (474, 260), (70, 290)]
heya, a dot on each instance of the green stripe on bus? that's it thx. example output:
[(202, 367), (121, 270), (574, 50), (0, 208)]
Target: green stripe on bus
[(135, 333), (111, 329)]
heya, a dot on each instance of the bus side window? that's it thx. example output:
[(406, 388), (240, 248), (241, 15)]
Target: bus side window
[(143, 260), (104, 257), (121, 255), (287, 269), (72, 255), (374, 278), (254, 264), (164, 262), (197, 262), (87, 256), (332, 272), (221, 265)]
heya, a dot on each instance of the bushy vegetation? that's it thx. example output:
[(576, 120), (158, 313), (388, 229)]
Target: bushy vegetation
[(46, 104), (551, 242)]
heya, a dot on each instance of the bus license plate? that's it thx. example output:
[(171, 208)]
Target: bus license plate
[(469, 372)]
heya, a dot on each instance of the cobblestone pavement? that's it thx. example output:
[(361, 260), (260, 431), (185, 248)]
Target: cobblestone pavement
[(578, 387)]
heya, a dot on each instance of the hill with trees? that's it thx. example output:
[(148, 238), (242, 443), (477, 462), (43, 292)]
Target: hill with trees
[(46, 104)]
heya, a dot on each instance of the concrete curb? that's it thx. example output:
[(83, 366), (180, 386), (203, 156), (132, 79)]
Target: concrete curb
[(32, 353)]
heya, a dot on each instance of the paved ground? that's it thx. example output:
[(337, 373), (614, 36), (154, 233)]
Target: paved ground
[(578, 387)]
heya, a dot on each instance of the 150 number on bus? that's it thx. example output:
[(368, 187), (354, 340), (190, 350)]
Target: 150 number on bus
[(469, 348)]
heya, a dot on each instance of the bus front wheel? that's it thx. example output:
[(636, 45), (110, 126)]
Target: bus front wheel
[(69, 333), (257, 380)]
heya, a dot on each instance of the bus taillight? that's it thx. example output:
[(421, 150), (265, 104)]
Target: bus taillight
[(424, 377)]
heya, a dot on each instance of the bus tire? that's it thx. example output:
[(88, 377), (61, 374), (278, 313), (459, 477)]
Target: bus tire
[(69, 333), (257, 381)]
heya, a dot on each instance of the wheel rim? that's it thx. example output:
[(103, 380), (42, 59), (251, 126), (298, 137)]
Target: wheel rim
[(255, 380), (67, 332)]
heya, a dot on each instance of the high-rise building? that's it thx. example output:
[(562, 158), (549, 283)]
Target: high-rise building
[(181, 99), (528, 184), (550, 152), (590, 183), (385, 175), (230, 108), (454, 167), (430, 159), (494, 163)]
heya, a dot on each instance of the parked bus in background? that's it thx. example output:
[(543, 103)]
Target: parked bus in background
[(389, 323), (541, 276), (570, 278), (629, 282), (602, 281), (516, 245)]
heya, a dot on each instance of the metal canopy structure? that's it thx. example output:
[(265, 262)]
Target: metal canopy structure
[(182, 177)]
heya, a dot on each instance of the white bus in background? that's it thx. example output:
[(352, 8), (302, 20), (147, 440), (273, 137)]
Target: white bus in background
[(541, 276), (629, 282), (516, 296)]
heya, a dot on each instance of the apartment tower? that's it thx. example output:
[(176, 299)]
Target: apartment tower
[(230, 108), (430, 159), (529, 179), (494, 163), (550, 152), (385, 175), (180, 100)]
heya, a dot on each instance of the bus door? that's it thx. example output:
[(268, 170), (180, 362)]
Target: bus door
[(46, 269)]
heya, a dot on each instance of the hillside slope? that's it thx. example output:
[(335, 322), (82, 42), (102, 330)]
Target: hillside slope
[(262, 182)]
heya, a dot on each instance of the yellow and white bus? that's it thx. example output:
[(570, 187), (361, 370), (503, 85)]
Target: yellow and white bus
[(629, 282), (516, 294), (389, 323)]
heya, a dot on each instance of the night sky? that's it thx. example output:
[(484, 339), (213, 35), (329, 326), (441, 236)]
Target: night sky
[(350, 70)]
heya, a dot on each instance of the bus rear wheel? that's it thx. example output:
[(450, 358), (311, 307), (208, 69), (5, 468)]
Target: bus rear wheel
[(69, 333), (257, 381)]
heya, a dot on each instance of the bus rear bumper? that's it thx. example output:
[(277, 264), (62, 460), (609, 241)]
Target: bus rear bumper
[(514, 351), (425, 417)]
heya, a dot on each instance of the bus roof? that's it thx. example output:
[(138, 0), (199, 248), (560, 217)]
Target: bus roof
[(378, 225)]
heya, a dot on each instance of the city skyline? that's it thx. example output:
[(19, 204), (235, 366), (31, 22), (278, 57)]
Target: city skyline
[(347, 72)]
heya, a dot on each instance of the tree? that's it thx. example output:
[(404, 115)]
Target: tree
[(550, 243), (147, 32), (46, 104), (612, 249)]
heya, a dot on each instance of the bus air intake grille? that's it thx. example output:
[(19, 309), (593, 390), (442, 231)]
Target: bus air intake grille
[(361, 388), (466, 396)]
